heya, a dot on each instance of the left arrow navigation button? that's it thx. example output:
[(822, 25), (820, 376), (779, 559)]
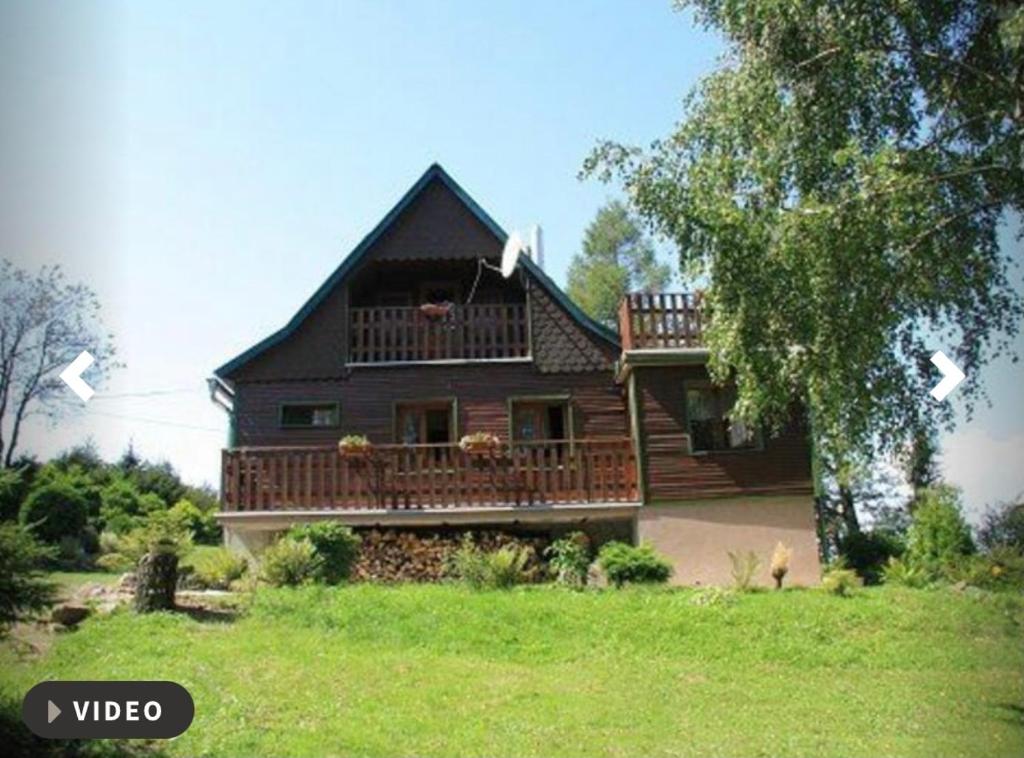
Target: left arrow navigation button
[(72, 376)]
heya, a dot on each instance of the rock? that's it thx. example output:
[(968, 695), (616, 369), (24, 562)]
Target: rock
[(595, 576), (127, 581), (69, 614)]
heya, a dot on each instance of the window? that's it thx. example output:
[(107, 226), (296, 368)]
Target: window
[(310, 414), (707, 413), (540, 419), (425, 423)]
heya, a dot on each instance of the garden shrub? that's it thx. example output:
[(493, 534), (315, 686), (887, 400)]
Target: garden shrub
[(497, 569), (867, 553), (1000, 568), (23, 587), (289, 563), (54, 511), (840, 580), (902, 572), (569, 559), (744, 567), (13, 489), (120, 509), (160, 533), (628, 564), (203, 524), (218, 569), (335, 543), (938, 536)]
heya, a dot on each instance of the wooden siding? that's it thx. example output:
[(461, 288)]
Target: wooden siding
[(560, 344), (368, 395), (781, 467)]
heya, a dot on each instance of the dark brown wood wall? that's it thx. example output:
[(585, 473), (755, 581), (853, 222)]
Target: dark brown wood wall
[(368, 396), (781, 467)]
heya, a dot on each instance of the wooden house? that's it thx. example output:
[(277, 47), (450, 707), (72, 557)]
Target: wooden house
[(415, 341)]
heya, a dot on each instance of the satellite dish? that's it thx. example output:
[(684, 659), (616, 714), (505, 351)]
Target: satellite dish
[(514, 245)]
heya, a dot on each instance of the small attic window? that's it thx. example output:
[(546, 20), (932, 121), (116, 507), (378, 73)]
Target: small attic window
[(306, 415)]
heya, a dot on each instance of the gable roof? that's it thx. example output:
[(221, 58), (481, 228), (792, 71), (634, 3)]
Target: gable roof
[(352, 260)]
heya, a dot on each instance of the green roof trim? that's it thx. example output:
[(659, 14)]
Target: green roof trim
[(359, 252)]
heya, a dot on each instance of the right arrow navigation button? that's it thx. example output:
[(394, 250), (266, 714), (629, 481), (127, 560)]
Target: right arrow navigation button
[(951, 376), (52, 711)]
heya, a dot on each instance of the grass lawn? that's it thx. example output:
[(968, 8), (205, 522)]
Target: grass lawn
[(441, 670)]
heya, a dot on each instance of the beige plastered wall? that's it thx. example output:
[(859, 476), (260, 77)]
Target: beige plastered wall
[(697, 535)]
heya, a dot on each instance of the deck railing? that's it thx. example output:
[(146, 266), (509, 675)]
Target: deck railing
[(429, 476), (464, 332), (651, 322)]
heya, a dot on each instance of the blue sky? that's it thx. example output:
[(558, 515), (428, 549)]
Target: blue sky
[(206, 165)]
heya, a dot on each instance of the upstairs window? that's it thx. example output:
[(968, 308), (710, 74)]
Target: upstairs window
[(540, 419), (306, 415), (711, 427), (426, 423)]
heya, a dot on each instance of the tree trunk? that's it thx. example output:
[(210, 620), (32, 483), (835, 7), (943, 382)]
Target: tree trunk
[(849, 510), (156, 579)]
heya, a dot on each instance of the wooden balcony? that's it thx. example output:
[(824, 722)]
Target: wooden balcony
[(662, 321), (418, 477), (464, 333)]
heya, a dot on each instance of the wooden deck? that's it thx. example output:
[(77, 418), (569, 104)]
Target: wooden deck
[(661, 321), (464, 333), (427, 477)]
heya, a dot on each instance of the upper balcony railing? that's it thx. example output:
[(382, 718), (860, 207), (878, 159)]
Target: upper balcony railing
[(662, 321), (435, 333)]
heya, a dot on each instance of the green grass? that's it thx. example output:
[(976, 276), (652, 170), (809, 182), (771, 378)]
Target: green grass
[(440, 670)]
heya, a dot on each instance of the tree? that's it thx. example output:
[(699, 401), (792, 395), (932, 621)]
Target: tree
[(45, 322), (23, 587), (617, 257), (839, 180)]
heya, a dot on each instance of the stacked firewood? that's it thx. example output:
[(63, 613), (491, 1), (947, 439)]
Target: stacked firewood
[(404, 555)]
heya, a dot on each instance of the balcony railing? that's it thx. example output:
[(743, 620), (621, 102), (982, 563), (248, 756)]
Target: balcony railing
[(410, 477), (464, 332), (652, 322)]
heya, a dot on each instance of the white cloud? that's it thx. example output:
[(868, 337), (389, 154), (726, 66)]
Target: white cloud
[(988, 468)]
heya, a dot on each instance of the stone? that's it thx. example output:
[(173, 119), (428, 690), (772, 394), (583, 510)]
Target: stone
[(595, 576), (156, 582), (69, 614)]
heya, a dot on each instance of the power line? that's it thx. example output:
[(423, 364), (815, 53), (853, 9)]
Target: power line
[(159, 422), (149, 393)]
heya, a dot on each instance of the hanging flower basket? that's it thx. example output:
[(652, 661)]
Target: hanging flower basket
[(480, 443), (435, 310), (355, 446)]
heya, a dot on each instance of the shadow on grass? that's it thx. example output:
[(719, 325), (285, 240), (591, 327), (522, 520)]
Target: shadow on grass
[(1013, 713), (207, 615), (18, 742)]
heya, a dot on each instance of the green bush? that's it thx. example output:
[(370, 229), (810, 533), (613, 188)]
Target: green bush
[(628, 564), (54, 511), (840, 580), (203, 524), (867, 553), (938, 536), (335, 543), (289, 562), (13, 489), (1000, 568), (569, 559), (159, 533), (902, 572), (23, 588), (498, 569), (120, 507), (218, 569)]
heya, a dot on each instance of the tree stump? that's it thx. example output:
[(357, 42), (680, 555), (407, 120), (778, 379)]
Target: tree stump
[(155, 582)]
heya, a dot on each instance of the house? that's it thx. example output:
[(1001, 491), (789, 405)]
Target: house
[(415, 340)]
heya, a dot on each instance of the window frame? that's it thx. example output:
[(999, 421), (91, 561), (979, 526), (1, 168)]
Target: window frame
[(333, 404), (425, 404), (699, 384), (561, 399)]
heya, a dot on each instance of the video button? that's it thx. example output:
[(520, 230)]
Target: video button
[(108, 710)]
